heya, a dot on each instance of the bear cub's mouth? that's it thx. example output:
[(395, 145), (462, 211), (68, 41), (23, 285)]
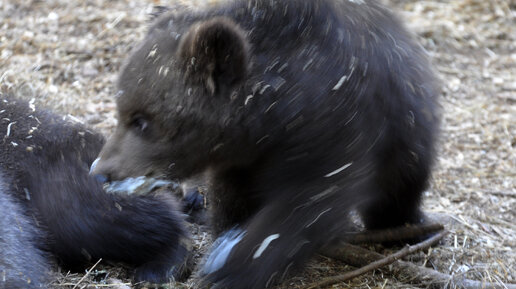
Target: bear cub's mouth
[(141, 185)]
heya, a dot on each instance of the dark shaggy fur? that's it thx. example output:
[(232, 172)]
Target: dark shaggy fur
[(22, 263), (303, 111), (45, 161)]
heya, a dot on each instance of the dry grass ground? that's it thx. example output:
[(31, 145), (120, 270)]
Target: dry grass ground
[(66, 54)]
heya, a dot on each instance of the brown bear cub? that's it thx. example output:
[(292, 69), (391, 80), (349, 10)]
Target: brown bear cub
[(303, 111), (53, 210)]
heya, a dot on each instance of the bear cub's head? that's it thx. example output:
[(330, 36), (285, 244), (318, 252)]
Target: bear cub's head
[(174, 102)]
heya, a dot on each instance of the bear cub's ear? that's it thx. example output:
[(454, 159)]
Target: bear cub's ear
[(215, 52)]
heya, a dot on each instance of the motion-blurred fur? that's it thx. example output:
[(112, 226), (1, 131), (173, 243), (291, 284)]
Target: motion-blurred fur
[(303, 111), (63, 211)]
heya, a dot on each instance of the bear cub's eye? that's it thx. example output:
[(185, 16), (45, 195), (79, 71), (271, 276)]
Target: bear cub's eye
[(140, 123)]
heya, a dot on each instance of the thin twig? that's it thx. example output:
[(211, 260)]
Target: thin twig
[(358, 257), (87, 273), (379, 263), (394, 234)]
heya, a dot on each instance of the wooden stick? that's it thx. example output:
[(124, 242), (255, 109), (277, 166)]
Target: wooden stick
[(393, 234), (87, 273), (360, 257), (379, 263)]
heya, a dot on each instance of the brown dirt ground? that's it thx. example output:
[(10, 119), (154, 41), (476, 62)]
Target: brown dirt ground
[(66, 55)]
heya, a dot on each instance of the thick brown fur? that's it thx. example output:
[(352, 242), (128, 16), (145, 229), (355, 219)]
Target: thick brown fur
[(44, 161), (303, 111)]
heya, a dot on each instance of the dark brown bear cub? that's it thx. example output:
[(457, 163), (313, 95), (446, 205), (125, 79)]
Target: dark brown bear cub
[(301, 110), (52, 210)]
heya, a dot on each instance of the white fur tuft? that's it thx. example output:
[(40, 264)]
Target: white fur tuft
[(221, 249)]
